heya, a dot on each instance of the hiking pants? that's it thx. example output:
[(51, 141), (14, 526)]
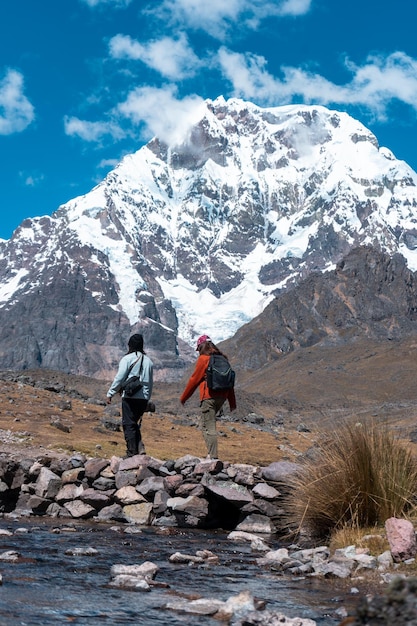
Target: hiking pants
[(209, 410), (132, 411)]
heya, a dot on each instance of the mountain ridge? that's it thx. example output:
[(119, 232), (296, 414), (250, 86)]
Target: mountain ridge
[(199, 236)]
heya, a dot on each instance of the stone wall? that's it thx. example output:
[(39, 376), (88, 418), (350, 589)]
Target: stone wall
[(188, 492)]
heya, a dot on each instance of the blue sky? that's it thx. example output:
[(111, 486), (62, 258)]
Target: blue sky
[(84, 82)]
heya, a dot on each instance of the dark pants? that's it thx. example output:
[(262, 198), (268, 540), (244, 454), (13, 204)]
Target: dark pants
[(132, 411)]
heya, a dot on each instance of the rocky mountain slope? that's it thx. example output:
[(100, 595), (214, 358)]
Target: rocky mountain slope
[(369, 295), (199, 237)]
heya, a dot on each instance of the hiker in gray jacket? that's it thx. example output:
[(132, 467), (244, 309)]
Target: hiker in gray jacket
[(134, 363)]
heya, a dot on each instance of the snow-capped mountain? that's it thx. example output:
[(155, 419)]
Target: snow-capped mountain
[(198, 237)]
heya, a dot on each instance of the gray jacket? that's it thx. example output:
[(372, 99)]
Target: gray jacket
[(123, 374)]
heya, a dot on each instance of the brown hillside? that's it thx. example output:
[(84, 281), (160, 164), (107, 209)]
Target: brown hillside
[(281, 406), (318, 384)]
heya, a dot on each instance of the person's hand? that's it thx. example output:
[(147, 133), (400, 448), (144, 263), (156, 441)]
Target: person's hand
[(108, 400)]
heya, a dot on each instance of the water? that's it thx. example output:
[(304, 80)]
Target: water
[(47, 586)]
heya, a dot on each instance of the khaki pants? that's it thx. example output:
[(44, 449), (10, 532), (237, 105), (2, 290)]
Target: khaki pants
[(209, 410)]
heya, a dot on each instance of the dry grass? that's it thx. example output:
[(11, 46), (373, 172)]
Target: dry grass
[(360, 477), (372, 539), (32, 411)]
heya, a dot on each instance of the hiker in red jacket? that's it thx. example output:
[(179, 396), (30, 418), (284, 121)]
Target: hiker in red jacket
[(210, 401)]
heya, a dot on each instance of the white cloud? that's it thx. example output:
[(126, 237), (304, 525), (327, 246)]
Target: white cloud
[(161, 113), (92, 131), (173, 58), (373, 85), (382, 79), (16, 112), (295, 7), (212, 17), (118, 4), (248, 76), (106, 163), (216, 17), (33, 180)]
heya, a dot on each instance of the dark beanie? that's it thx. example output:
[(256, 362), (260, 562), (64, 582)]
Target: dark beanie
[(135, 343)]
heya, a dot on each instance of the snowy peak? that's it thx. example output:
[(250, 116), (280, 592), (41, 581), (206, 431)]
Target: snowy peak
[(199, 236)]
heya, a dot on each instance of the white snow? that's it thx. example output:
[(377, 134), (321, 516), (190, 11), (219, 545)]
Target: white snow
[(89, 232), (280, 167), (200, 312), (8, 289)]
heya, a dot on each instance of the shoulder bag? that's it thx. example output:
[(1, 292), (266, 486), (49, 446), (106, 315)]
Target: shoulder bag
[(133, 384)]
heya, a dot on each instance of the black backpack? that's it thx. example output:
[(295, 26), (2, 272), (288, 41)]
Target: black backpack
[(219, 375)]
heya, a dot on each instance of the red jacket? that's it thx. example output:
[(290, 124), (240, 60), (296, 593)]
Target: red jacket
[(198, 378)]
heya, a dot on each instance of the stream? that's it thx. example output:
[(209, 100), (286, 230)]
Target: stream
[(47, 586)]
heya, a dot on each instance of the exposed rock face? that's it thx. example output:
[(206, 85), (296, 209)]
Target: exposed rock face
[(251, 202), (369, 294), (62, 325)]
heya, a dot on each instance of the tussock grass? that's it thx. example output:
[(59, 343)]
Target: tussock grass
[(360, 476)]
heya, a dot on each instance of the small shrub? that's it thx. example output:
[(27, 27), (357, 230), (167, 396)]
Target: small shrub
[(360, 477)]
